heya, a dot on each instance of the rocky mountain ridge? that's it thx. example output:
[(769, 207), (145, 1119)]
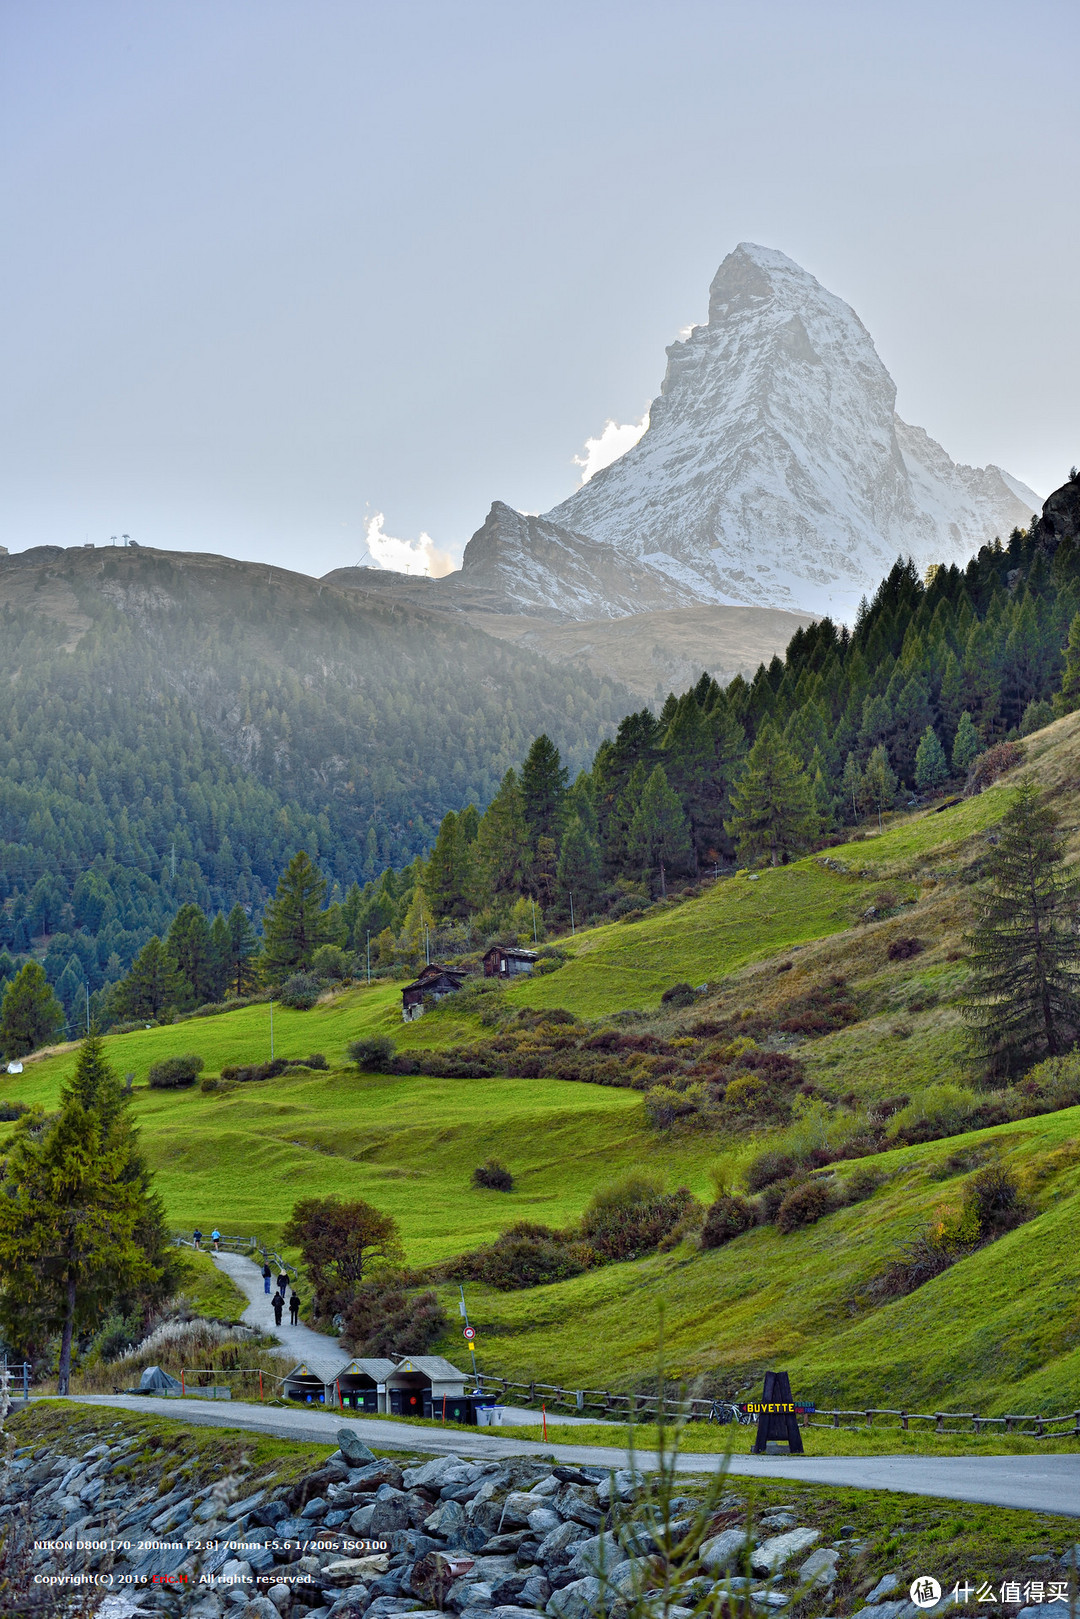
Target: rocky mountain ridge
[(775, 469)]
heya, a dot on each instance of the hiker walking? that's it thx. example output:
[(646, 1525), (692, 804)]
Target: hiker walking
[(267, 1273), (215, 1238), (294, 1308), (278, 1305), (196, 1237), (283, 1282)]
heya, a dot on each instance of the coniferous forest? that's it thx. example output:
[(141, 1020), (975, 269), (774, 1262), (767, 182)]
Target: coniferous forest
[(169, 760)]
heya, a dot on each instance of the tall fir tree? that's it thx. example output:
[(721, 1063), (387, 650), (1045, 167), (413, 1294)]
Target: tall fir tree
[(659, 838), (931, 765), (153, 985), (72, 1208), (967, 745), (1022, 997), (502, 844), (577, 875), (448, 879), (880, 782), (543, 788), (1067, 699), (188, 942), (243, 952), (295, 924), (772, 815)]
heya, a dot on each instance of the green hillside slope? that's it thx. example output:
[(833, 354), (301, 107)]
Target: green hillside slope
[(995, 1332)]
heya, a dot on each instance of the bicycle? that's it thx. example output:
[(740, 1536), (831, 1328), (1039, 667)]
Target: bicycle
[(725, 1411)]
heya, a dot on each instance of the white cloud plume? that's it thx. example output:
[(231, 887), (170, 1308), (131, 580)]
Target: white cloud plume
[(615, 440), (405, 556)]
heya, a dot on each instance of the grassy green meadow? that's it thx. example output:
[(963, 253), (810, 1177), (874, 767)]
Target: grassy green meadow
[(999, 1331)]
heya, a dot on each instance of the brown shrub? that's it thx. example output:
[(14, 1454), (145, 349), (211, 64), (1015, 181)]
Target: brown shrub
[(903, 949), (804, 1206), (769, 1167), (728, 1217), (992, 764)]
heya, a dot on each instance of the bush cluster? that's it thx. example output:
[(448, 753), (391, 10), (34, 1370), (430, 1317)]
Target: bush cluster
[(300, 991), (383, 1318), (173, 1072), (373, 1054), (993, 1203), (728, 1217), (493, 1176), (526, 1255)]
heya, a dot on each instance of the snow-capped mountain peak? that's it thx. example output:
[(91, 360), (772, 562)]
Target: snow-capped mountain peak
[(774, 470)]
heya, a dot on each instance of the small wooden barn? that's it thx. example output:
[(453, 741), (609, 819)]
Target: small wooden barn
[(504, 961), (431, 984)]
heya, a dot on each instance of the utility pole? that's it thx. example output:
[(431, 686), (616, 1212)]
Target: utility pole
[(86, 986), (663, 884), (369, 956), (271, 1031), (572, 928), (462, 1311), (532, 902), (173, 860)]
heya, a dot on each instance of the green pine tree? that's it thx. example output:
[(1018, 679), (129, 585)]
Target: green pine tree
[(852, 789), (880, 781), (243, 952), (73, 1207), (448, 880), (502, 844), (931, 765), (543, 788), (188, 943), (967, 745), (31, 1015), (1022, 998), (578, 870), (152, 986), (659, 838), (772, 805), (1067, 698), (295, 924)]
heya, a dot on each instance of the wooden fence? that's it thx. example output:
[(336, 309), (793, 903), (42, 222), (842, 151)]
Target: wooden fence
[(648, 1406)]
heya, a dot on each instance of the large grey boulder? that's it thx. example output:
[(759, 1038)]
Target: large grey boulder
[(723, 1551), (820, 1568), (772, 1555), (353, 1449), (598, 1555), (578, 1601)]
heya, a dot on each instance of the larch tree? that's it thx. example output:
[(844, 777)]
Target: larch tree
[(1022, 997), (543, 788), (967, 745), (243, 951), (502, 851)]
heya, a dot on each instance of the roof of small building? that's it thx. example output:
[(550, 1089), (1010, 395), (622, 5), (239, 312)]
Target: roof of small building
[(515, 951), (436, 975), (324, 1370), (376, 1367), (435, 1367)]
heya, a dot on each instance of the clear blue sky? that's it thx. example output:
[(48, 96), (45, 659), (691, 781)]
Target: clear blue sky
[(270, 267)]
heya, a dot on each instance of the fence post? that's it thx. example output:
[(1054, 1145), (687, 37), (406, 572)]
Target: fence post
[(938, 1420), (903, 1420), (836, 1419), (532, 1393)]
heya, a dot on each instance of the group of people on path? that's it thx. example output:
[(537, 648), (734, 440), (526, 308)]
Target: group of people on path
[(278, 1302), (215, 1238)]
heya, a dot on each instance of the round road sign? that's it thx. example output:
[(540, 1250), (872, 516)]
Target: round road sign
[(469, 1334)]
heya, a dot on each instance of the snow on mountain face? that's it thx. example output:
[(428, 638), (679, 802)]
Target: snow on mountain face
[(774, 470)]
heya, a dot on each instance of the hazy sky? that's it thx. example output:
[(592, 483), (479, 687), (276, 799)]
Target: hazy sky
[(271, 268)]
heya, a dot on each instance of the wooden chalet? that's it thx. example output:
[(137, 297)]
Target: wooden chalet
[(504, 961), (432, 983)]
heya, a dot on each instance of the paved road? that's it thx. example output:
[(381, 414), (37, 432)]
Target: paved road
[(1039, 1483), (321, 1350)]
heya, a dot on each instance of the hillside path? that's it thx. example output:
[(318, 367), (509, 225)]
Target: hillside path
[(321, 1350), (1034, 1483)]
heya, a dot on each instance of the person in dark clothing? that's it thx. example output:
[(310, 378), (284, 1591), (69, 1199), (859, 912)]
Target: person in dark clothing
[(196, 1237), (283, 1282), (278, 1305), (267, 1274), (294, 1308)]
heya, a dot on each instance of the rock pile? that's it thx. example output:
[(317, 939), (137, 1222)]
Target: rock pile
[(364, 1538)]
